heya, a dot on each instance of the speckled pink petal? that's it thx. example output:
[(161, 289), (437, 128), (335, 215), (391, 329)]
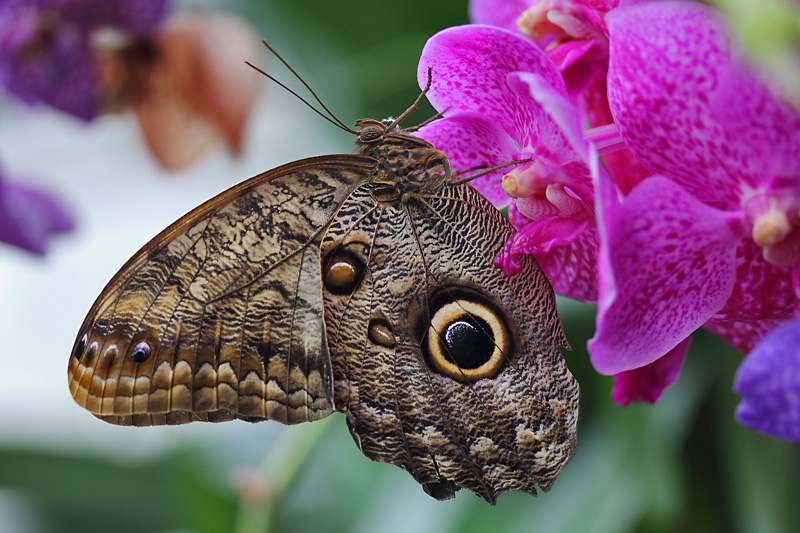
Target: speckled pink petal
[(624, 168), (538, 237), (762, 290), (503, 13), (647, 383), (667, 264), (763, 132), (471, 140), (670, 70), (572, 268), (562, 133), (769, 382), (470, 66), (743, 335)]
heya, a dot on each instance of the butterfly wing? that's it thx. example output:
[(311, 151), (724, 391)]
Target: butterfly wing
[(494, 423), (219, 316)]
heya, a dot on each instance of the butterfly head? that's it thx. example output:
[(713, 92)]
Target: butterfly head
[(406, 160)]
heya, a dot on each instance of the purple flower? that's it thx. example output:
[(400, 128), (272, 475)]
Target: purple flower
[(769, 381), (710, 239), (29, 216), (504, 100), (45, 47)]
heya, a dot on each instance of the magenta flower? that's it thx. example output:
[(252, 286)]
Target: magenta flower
[(45, 52), (711, 239), (28, 216), (574, 36), (503, 100)]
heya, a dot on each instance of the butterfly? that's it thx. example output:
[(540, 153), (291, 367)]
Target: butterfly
[(357, 283)]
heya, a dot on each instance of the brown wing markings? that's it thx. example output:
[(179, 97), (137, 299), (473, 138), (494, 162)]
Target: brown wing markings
[(210, 207), (539, 476), (151, 364), (351, 169), (460, 438), (87, 372)]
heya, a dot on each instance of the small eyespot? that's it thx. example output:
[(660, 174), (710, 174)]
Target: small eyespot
[(78, 352), (141, 352), (468, 340), (343, 269), (380, 332)]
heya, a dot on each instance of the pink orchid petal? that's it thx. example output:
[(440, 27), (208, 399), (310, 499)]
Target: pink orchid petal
[(565, 129), (567, 54), (470, 66), (572, 268), (743, 335), (647, 383), (667, 264), (671, 74), (623, 166), (769, 382), (763, 132), (502, 14), (470, 140), (762, 290), (516, 217), (540, 236)]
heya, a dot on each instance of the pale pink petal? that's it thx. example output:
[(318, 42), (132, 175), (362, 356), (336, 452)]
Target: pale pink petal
[(743, 335), (647, 383), (498, 13), (667, 265), (471, 140), (470, 66)]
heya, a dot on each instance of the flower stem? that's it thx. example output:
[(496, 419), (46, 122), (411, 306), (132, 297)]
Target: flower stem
[(276, 474)]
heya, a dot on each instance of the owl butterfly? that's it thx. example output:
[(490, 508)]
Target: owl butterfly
[(356, 283)]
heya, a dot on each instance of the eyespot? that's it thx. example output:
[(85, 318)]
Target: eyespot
[(344, 267), (78, 352), (380, 332), (468, 340), (141, 352)]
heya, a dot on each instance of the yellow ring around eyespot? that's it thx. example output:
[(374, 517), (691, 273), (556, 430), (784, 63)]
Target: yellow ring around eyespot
[(452, 311)]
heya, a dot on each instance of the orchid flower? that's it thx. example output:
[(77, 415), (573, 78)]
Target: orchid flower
[(29, 216), (504, 100), (574, 36), (711, 238), (45, 47)]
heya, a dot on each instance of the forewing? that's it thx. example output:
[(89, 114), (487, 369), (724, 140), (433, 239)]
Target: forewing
[(220, 316), (513, 430)]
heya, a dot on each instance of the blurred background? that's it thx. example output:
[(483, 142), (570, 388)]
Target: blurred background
[(683, 464)]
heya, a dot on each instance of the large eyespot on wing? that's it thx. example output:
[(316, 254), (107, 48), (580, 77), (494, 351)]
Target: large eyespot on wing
[(514, 384), (499, 418), (219, 316)]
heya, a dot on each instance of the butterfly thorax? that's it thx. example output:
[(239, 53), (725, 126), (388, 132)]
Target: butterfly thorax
[(407, 165)]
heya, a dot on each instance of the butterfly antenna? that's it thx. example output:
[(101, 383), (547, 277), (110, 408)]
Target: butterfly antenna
[(296, 75), (314, 109), (414, 106)]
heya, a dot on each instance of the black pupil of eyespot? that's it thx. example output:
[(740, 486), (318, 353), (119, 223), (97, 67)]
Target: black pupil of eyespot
[(468, 342), (140, 352)]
